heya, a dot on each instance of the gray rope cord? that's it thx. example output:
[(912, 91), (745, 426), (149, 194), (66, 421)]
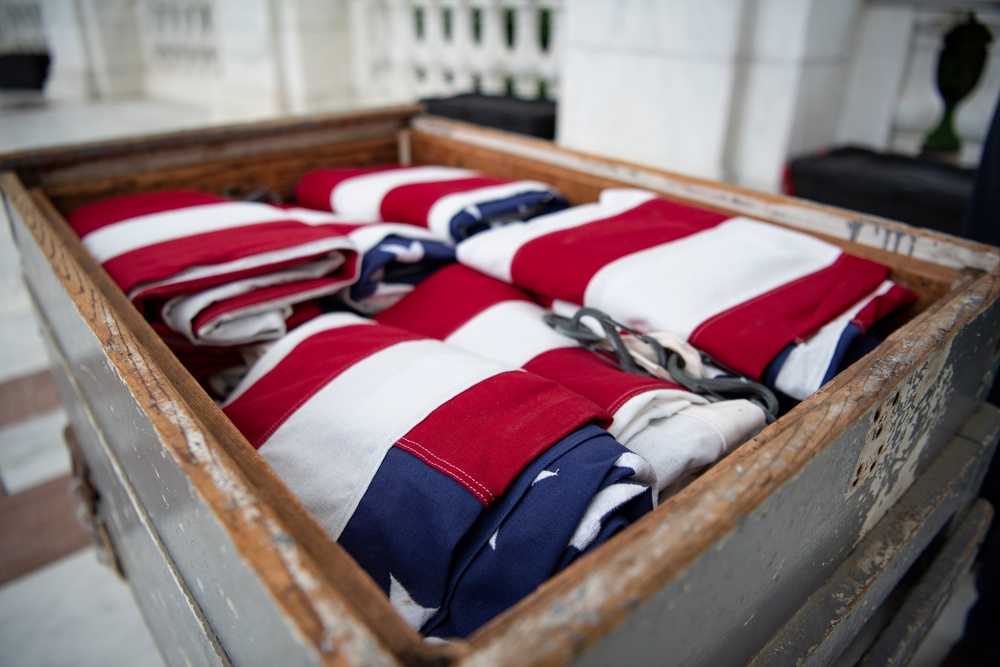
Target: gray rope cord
[(722, 388)]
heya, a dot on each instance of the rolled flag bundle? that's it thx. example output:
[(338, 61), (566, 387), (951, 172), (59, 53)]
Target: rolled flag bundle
[(768, 302), (677, 431), (458, 483), (219, 368), (453, 203), (215, 271), (225, 273), (394, 258)]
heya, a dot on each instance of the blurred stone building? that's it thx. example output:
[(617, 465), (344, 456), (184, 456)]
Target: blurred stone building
[(722, 89)]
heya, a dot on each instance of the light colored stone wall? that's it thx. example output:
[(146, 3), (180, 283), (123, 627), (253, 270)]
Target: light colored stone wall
[(651, 82), (732, 89), (722, 89)]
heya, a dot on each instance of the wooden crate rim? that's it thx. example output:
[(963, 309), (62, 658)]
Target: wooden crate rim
[(903, 351)]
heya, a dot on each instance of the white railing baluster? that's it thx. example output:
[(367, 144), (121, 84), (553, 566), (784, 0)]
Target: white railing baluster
[(180, 37), (402, 47), (419, 17), (21, 29), (527, 50), (367, 59), (434, 38), (493, 48), (457, 47), (549, 60), (381, 30), (919, 106)]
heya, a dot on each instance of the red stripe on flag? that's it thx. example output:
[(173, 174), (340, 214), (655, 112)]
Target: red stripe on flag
[(412, 203), (526, 415), (276, 396), (302, 313), (447, 300), (92, 217), (748, 336), (883, 305), (594, 378), (561, 264), (166, 259), (314, 188)]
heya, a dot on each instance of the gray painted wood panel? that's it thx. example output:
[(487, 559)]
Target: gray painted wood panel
[(242, 611), (899, 641), (839, 609), (182, 634)]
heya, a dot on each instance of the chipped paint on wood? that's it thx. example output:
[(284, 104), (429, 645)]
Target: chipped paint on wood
[(900, 430), (898, 642), (334, 636)]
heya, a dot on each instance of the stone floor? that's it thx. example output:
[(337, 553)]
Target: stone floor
[(58, 604)]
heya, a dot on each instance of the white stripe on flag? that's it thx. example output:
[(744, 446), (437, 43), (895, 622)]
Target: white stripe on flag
[(361, 196), (446, 208), (310, 216), (624, 197), (696, 437), (236, 327), (367, 237), (179, 313), (280, 348), (677, 286), (331, 447), (492, 252), (147, 230), (647, 408), (807, 363), (603, 503), (511, 332)]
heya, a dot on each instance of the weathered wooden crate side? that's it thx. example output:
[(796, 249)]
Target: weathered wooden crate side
[(241, 159), (184, 636), (263, 594), (844, 608)]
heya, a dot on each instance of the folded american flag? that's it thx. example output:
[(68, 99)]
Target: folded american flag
[(765, 301), (453, 203), (677, 431), (458, 483), (221, 272), (213, 270)]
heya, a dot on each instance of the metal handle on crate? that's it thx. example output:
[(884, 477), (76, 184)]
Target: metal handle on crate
[(721, 388), (88, 505)]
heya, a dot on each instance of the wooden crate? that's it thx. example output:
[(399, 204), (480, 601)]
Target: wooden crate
[(785, 551)]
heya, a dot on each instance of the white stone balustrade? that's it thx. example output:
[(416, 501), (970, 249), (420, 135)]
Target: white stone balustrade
[(21, 28), (422, 48), (891, 98), (180, 35)]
